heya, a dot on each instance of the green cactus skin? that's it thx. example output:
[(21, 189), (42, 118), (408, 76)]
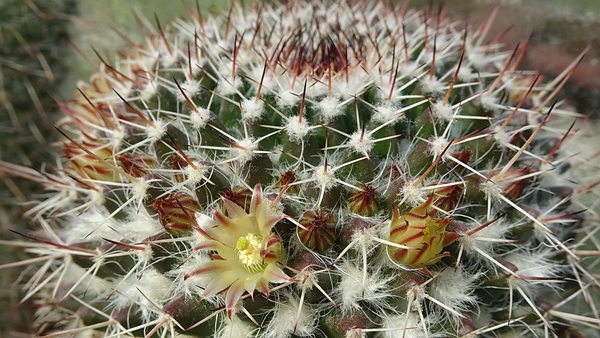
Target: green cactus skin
[(317, 169)]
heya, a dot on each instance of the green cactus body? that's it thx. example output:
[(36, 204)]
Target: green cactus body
[(317, 170)]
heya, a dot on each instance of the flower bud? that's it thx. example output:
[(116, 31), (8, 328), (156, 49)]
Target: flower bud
[(89, 166), (426, 235), (319, 231), (364, 202), (176, 212)]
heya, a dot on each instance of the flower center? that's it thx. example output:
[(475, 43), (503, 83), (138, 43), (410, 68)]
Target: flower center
[(249, 250)]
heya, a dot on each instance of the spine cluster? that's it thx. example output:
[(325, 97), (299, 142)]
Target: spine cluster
[(316, 169)]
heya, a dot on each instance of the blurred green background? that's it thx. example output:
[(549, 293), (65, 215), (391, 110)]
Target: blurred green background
[(38, 68)]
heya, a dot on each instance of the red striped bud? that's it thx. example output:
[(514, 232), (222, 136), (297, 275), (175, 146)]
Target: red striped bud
[(426, 235), (319, 230), (364, 202), (176, 212)]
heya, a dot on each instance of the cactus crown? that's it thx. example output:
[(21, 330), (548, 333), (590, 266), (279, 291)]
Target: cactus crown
[(316, 169)]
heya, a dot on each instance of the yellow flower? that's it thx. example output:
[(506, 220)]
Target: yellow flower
[(426, 235), (247, 251)]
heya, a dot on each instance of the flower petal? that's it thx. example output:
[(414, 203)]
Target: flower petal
[(233, 296), (228, 230), (209, 268), (210, 245), (263, 286), (220, 283), (233, 209), (257, 198), (266, 223), (274, 274), (250, 283)]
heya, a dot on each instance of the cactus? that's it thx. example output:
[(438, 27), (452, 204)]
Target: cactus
[(316, 169)]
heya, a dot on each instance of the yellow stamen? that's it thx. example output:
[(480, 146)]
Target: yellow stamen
[(249, 249)]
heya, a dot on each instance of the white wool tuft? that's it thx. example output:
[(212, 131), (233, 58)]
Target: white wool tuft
[(454, 288), (252, 110), (200, 117), (190, 88), (324, 179), (386, 113), (296, 129), (95, 225), (361, 143), (288, 320), (432, 86), (357, 286), (287, 99), (235, 328), (195, 175), (442, 111), (405, 325), (147, 289), (156, 131), (246, 149), (330, 108)]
